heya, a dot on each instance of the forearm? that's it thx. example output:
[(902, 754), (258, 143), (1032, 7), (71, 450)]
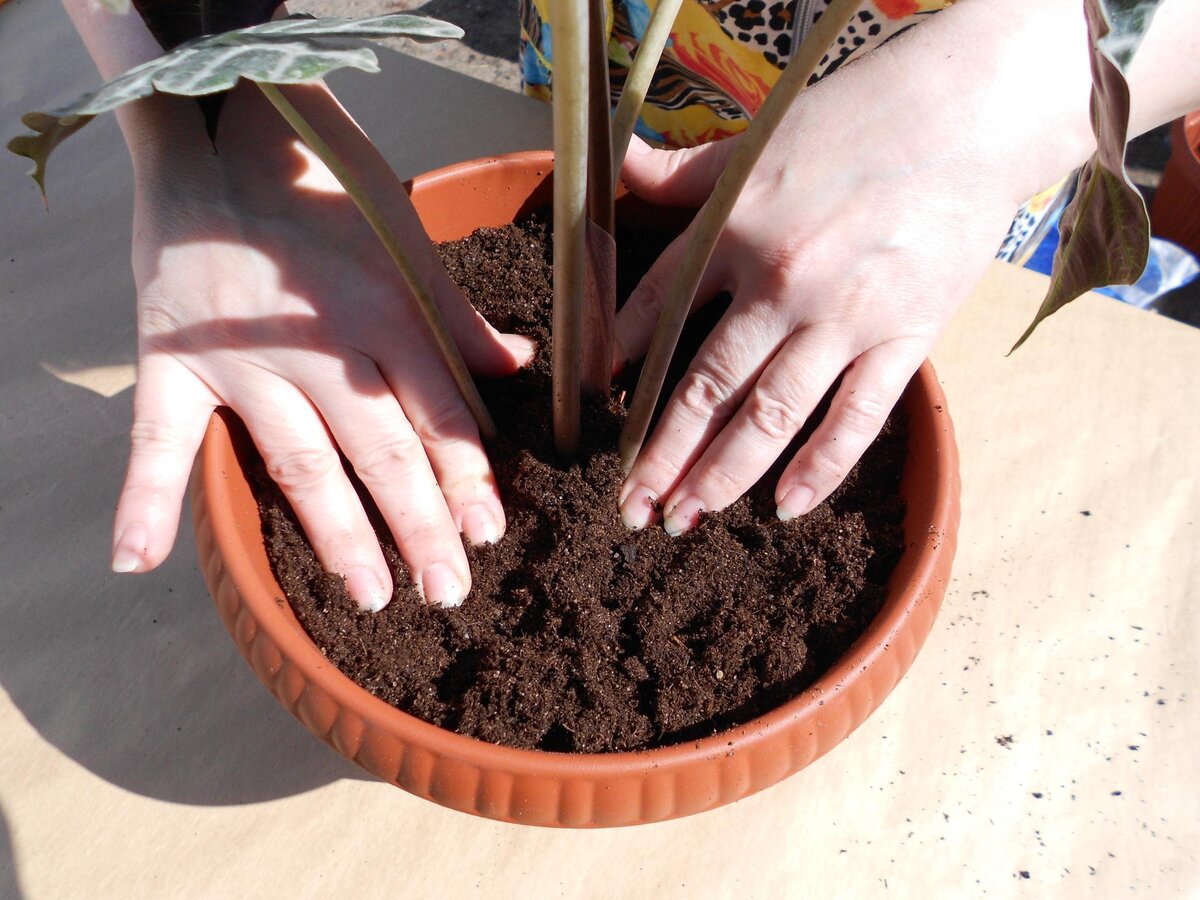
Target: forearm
[(1164, 77), (115, 41), (118, 42), (168, 133), (1013, 79)]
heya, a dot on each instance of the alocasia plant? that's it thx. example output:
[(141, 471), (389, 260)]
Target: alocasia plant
[(570, 218), (1105, 229), (641, 73)]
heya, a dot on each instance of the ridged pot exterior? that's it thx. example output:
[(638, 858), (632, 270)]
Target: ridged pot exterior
[(541, 788)]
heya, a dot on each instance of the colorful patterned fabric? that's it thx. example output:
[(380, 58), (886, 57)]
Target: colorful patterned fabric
[(722, 59)]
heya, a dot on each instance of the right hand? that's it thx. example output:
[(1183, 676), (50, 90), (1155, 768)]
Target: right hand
[(261, 287)]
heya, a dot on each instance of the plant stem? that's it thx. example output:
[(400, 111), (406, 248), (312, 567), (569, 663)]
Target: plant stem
[(600, 281), (637, 82), (601, 182), (709, 222), (433, 315), (570, 112)]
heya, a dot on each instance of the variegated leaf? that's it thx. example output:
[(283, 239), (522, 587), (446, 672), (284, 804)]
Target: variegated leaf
[(287, 51), (48, 132), (1104, 231), (172, 22)]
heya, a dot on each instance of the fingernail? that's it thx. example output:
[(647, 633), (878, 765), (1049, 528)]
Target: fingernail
[(637, 148), (638, 507), (130, 551), (365, 589), (441, 587), (795, 502), (683, 515), (521, 347), (480, 526)]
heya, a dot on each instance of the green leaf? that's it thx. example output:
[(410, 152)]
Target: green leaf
[(1104, 231), (288, 51), (172, 22), (49, 132)]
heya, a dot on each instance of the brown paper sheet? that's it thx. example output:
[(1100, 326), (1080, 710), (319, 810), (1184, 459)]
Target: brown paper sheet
[(1044, 741)]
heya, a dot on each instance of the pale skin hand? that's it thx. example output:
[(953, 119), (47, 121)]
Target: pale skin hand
[(260, 287), (877, 206)]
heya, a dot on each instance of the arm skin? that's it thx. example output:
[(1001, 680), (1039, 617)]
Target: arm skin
[(874, 211), (261, 287)]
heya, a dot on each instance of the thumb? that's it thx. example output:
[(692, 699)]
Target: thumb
[(638, 318), (675, 177), (485, 350)]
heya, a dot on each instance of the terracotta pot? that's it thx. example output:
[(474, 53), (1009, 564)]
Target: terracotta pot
[(543, 788), (1175, 212)]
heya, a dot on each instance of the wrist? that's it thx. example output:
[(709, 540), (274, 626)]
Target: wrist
[(163, 132), (168, 136), (1008, 86)]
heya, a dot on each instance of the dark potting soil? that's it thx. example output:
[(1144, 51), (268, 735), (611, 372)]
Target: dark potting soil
[(580, 635)]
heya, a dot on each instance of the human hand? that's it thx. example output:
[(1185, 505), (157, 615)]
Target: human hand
[(846, 255), (261, 287)]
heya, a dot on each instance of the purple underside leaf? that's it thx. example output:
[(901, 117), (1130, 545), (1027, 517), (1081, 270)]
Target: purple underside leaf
[(172, 22), (1105, 231)]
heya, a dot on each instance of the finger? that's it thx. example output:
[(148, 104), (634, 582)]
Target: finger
[(869, 391), (450, 437), (675, 177), (171, 408), (638, 318), (300, 458), (375, 434), (705, 399), (768, 419), (485, 350)]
